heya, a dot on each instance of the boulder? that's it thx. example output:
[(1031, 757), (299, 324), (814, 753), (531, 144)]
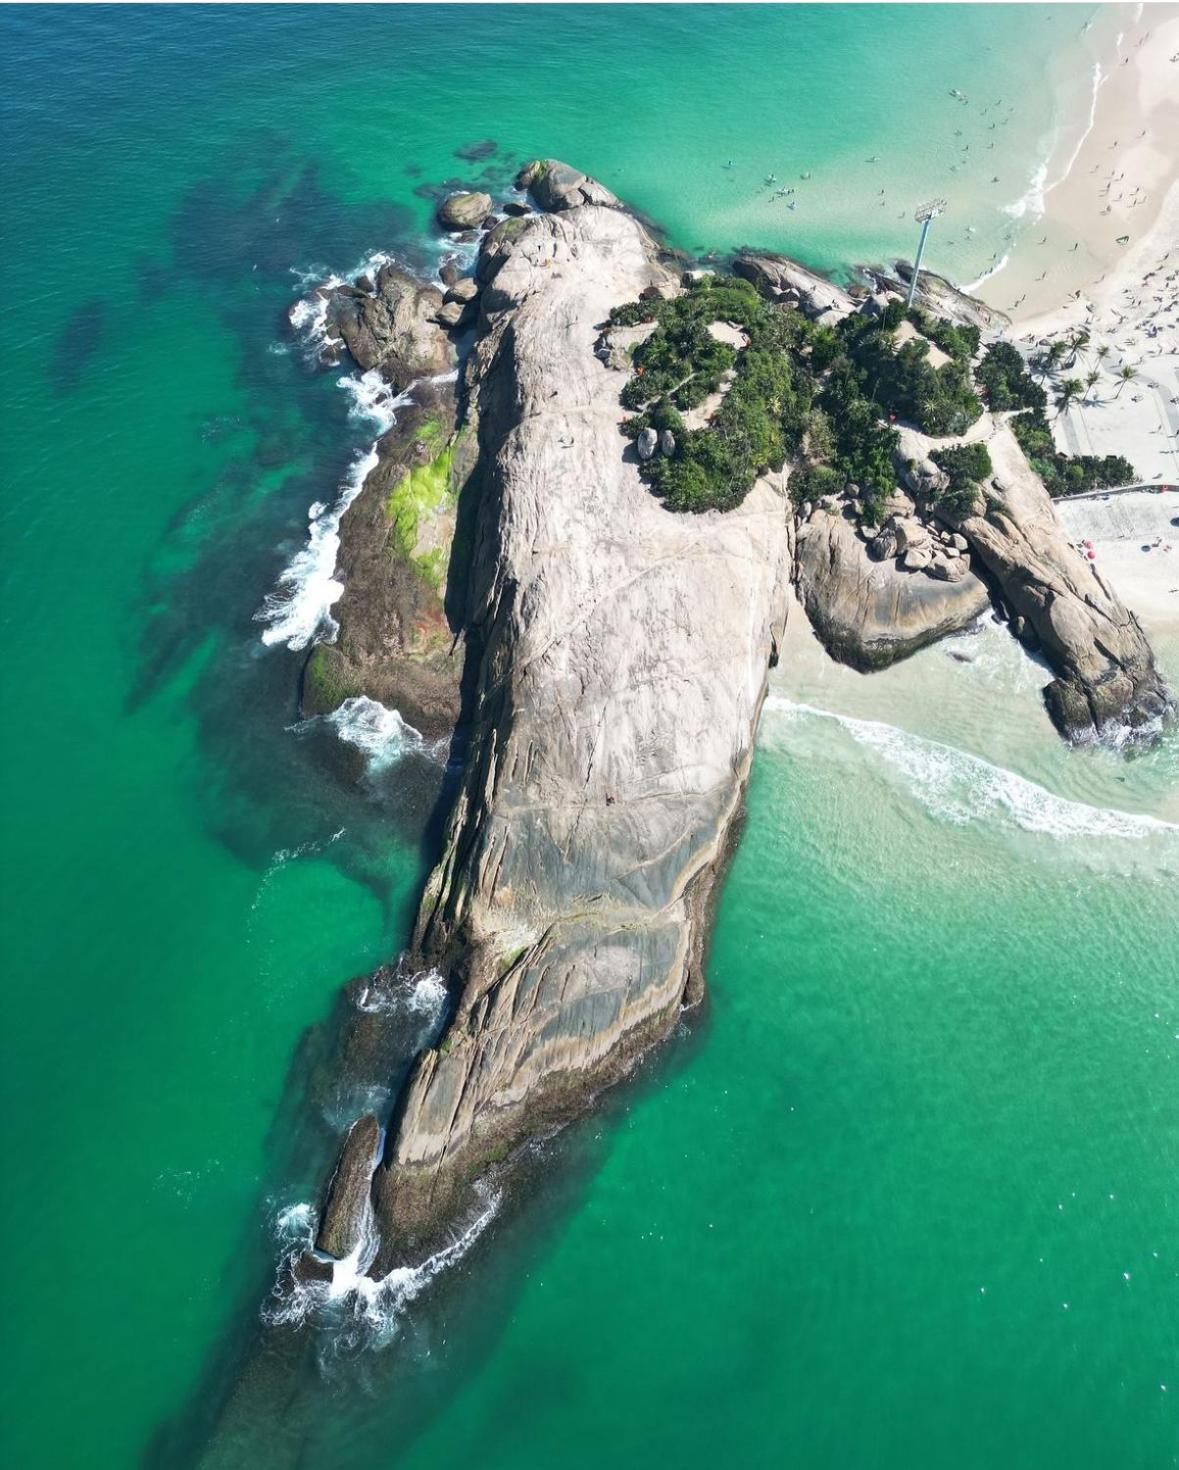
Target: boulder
[(646, 444), (346, 1200), (555, 186), (395, 330), (464, 290), (667, 443), (1107, 682), (779, 278), (866, 611), (959, 541), (910, 534), (948, 570), (454, 314), (517, 207), (449, 273), (917, 558), (464, 211)]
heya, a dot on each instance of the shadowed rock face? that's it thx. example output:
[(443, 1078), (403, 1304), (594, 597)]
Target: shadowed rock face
[(1107, 683), (622, 657), (867, 613)]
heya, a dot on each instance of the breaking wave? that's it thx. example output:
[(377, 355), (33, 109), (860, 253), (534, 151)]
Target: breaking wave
[(373, 400), (380, 733), (1031, 201), (357, 1309), (298, 611), (958, 787), (986, 275), (1097, 77), (421, 995)]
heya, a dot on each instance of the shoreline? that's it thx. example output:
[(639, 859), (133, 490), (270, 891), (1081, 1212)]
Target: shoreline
[(1130, 115)]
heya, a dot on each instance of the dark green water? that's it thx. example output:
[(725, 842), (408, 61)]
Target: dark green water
[(940, 1054)]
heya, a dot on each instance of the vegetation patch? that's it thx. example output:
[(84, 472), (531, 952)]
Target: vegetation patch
[(902, 381), (1005, 380), (1066, 474), (824, 397), (761, 419), (967, 466), (326, 684), (422, 491)]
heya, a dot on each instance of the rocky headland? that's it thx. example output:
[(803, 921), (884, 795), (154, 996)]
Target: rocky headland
[(615, 653)]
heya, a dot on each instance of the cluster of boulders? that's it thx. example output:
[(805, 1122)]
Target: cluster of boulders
[(649, 443), (911, 538), (783, 280), (920, 546)]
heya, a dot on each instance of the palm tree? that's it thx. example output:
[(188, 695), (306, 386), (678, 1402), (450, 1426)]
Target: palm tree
[(1127, 372), (1069, 390), (1103, 352), (1056, 354), (1079, 339), (1091, 381)]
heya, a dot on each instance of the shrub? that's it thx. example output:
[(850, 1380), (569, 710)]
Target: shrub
[(959, 341), (902, 380), (761, 418), (632, 313), (813, 482), (1005, 380), (967, 465), (1065, 474)]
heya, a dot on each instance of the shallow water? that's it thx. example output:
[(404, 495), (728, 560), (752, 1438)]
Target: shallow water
[(942, 1026)]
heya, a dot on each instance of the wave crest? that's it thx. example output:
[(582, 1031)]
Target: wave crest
[(960, 788)]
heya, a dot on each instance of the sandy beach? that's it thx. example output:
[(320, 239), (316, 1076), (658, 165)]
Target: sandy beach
[(1110, 174), (1136, 540), (1074, 275)]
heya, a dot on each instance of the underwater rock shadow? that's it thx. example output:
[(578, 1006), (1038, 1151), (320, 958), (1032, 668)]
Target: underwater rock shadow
[(287, 1398)]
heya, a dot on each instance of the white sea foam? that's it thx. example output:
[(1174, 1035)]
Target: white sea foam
[(373, 399), (421, 994), (298, 611), (986, 275), (380, 733), (1031, 201), (359, 1308), (958, 787), (1098, 78)]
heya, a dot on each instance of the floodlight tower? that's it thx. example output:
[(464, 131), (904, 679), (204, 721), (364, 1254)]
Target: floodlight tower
[(924, 217)]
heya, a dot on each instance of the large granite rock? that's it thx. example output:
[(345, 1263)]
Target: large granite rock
[(620, 658), (1106, 681), (936, 294), (464, 211), (783, 279), (556, 186), (394, 329), (869, 613)]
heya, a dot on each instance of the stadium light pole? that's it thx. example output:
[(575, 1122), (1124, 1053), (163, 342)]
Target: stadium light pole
[(924, 217)]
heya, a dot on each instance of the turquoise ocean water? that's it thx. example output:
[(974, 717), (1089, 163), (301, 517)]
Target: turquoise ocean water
[(906, 1195)]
